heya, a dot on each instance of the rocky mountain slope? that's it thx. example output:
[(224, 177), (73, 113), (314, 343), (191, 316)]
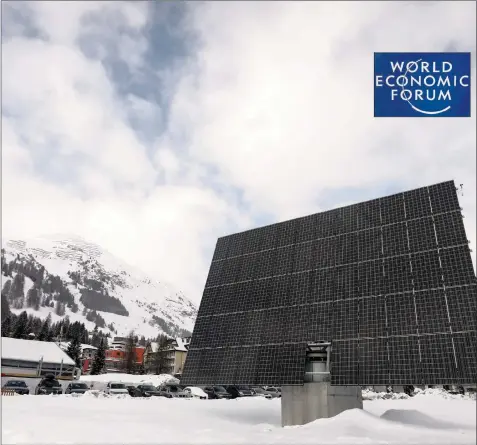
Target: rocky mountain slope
[(66, 275)]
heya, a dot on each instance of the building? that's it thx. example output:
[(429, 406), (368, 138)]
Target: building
[(116, 359), (173, 356), (119, 343), (35, 359), (88, 353)]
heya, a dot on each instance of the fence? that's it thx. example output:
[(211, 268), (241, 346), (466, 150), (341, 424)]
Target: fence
[(8, 392)]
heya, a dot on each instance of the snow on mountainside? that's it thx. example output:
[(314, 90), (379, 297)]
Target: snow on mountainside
[(91, 286)]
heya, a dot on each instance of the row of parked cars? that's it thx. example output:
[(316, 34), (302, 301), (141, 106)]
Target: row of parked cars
[(47, 385), (170, 391), (50, 385)]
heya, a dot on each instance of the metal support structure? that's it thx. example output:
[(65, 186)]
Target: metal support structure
[(317, 365)]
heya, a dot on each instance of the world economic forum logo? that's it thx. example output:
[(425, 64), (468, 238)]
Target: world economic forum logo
[(422, 84)]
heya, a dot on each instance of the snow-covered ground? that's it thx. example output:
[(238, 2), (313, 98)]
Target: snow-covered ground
[(100, 381), (423, 419)]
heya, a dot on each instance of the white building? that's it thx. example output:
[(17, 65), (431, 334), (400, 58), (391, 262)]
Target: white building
[(174, 355), (32, 359), (119, 343)]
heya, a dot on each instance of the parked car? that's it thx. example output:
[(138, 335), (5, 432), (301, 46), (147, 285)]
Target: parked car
[(19, 386), (147, 391), (173, 391), (275, 392), (76, 388), (116, 388), (49, 385), (259, 391), (240, 391), (196, 392), (217, 392), (133, 391)]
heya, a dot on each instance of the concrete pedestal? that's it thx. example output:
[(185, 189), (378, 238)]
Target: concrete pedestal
[(304, 404)]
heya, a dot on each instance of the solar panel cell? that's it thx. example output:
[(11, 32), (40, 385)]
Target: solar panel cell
[(431, 309), (401, 314), (450, 229), (369, 244), (457, 266), (369, 214), (421, 235), (373, 361), (426, 270), (417, 203), (462, 304), (437, 359), (392, 209), (466, 356), (443, 197), (371, 278), (372, 317), (397, 275), (395, 241), (404, 360)]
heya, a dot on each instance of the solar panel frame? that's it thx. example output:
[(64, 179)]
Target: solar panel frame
[(387, 280)]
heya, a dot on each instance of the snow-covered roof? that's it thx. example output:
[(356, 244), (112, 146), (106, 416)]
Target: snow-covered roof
[(33, 351), (181, 345), (65, 344), (178, 344)]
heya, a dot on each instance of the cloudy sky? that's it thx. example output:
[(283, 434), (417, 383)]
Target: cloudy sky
[(154, 128)]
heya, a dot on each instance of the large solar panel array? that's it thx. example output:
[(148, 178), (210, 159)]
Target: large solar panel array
[(390, 282)]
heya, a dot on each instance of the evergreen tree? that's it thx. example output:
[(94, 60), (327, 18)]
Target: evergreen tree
[(99, 359), (5, 307), (95, 338), (130, 354), (45, 329), (160, 356), (33, 298), (6, 289), (30, 326), (7, 325), (21, 326), (17, 291), (4, 263), (74, 350), (86, 339), (60, 309), (50, 335), (37, 323), (66, 324)]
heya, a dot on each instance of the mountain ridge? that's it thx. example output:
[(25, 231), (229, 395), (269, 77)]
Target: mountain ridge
[(68, 275)]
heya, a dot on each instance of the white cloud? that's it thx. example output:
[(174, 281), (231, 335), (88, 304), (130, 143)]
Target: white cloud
[(281, 100), (273, 105)]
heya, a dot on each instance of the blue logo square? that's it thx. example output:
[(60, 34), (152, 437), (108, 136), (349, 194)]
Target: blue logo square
[(421, 84)]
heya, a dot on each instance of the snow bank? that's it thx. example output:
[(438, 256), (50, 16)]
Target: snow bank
[(369, 394), (104, 420), (438, 392), (372, 395), (100, 381)]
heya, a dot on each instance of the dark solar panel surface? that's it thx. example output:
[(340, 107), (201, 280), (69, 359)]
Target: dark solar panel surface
[(390, 282)]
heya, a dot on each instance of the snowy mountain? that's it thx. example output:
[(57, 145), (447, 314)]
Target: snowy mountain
[(66, 275)]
